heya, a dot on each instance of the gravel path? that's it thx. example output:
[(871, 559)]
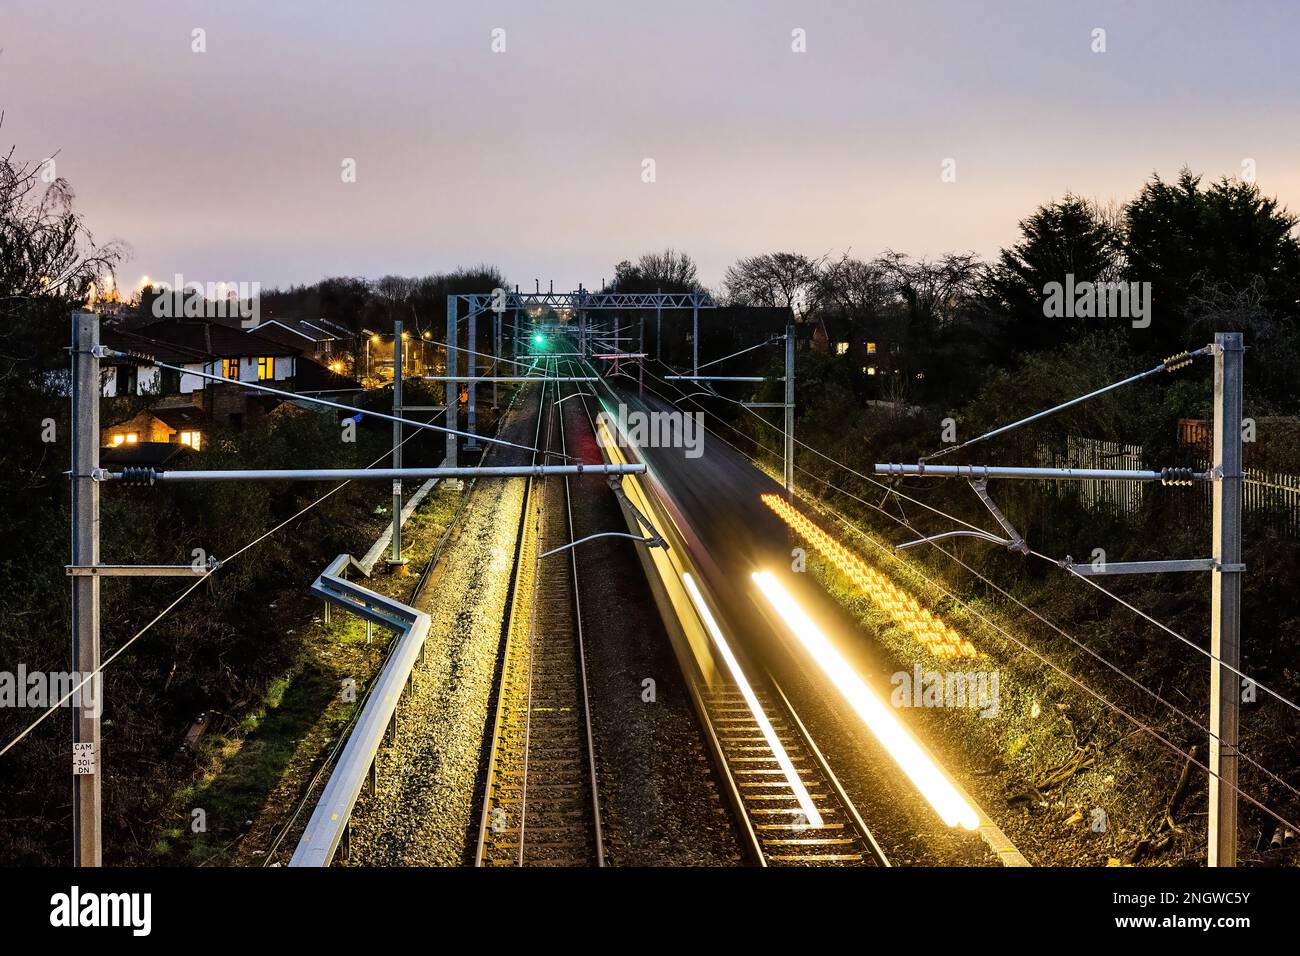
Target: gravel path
[(423, 811)]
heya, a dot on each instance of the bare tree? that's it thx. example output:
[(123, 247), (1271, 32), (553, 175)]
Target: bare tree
[(853, 288), (46, 251), (669, 271), (931, 290), (773, 279)]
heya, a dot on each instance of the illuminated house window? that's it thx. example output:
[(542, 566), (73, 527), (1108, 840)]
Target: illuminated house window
[(127, 438), (871, 348), (191, 438), (841, 348), (230, 368), (265, 368)]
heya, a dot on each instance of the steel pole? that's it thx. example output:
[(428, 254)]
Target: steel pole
[(1225, 599), (398, 357), (86, 830), (789, 406), (471, 362), (453, 394), (659, 328), (496, 350), (695, 336)]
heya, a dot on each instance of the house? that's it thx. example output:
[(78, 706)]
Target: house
[(199, 347), (182, 425), (319, 338), (199, 393)]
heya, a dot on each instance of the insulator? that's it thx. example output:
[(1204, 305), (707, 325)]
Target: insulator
[(139, 475), (1176, 476), (1175, 362)]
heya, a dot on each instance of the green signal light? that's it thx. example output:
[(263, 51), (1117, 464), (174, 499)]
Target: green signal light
[(539, 339)]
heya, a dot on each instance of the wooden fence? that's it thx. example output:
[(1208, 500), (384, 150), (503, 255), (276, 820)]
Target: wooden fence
[(1271, 497)]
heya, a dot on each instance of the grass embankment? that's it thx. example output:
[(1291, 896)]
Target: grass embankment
[(1072, 781), (255, 772)]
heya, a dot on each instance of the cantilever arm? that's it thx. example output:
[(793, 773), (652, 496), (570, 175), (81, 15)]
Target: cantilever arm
[(983, 535), (655, 542)]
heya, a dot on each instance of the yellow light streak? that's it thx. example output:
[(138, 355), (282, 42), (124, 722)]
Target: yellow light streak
[(809, 809), (937, 789), (936, 636)]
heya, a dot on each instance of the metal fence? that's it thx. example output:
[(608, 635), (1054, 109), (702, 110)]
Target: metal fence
[(1274, 495), (1119, 497)]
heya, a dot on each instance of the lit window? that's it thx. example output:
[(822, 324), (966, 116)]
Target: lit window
[(132, 437), (191, 439), (265, 368), (118, 439), (871, 348), (230, 368), (841, 348)]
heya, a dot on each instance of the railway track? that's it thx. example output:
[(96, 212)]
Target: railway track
[(541, 804), (780, 829), (774, 824)]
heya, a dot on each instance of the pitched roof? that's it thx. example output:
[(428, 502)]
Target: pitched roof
[(152, 453), (212, 339), (281, 336), (303, 329), (179, 416), (125, 341)]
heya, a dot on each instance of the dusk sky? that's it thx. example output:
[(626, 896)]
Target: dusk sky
[(226, 165)]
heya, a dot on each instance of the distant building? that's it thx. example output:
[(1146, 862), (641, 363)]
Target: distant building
[(184, 403), (321, 339)]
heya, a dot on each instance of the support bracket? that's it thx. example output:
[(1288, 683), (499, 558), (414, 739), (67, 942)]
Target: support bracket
[(1015, 541), (1148, 567)]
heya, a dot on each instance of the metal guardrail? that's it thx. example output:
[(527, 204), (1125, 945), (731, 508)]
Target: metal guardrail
[(329, 821)]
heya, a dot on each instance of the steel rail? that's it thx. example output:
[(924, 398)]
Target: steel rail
[(840, 793), (781, 708), (506, 644), (680, 642), (582, 653)]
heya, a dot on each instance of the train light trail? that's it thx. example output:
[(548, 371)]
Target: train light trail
[(937, 789), (800, 792), (936, 636)]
